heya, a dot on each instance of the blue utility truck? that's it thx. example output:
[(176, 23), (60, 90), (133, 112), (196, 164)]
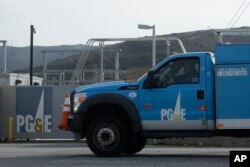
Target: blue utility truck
[(195, 94)]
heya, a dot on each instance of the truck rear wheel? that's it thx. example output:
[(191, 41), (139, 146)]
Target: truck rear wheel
[(107, 136), (135, 146)]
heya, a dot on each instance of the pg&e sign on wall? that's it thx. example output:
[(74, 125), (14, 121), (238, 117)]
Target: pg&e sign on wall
[(34, 109)]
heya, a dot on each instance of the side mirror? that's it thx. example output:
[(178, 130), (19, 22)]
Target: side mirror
[(151, 79)]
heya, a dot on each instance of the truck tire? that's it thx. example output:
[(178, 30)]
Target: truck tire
[(107, 136), (135, 146)]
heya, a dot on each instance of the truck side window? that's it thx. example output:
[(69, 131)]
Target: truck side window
[(179, 71)]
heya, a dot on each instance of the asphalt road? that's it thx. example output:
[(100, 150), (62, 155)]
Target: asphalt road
[(74, 154)]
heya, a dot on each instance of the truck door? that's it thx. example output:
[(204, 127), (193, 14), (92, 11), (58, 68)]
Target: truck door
[(177, 101)]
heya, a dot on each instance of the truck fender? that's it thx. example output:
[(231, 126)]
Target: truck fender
[(116, 99)]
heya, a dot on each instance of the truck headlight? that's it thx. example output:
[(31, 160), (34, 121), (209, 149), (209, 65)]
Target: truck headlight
[(78, 99)]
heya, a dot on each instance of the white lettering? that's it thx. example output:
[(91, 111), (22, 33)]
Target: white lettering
[(169, 114), (47, 124), (183, 114), (243, 157), (240, 158), (19, 122), (163, 114), (237, 158), (29, 123)]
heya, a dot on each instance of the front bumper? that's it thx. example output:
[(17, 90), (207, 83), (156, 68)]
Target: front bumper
[(75, 122)]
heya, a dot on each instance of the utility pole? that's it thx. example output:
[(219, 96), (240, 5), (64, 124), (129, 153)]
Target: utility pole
[(32, 32)]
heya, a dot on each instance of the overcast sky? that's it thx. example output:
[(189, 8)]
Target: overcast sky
[(69, 22)]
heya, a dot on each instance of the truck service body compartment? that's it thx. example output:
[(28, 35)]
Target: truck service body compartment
[(232, 83)]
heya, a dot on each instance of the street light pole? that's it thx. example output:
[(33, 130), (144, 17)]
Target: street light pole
[(32, 31), (142, 26)]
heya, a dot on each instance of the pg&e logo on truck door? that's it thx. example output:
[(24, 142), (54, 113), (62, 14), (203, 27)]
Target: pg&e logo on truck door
[(34, 110), (177, 114)]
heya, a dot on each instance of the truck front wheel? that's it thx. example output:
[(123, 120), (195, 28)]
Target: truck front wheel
[(107, 136)]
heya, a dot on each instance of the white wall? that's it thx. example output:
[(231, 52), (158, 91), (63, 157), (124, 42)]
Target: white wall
[(10, 79)]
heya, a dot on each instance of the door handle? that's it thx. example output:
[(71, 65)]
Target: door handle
[(200, 94)]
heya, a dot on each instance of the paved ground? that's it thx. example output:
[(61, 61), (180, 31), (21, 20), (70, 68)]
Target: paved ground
[(74, 154)]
